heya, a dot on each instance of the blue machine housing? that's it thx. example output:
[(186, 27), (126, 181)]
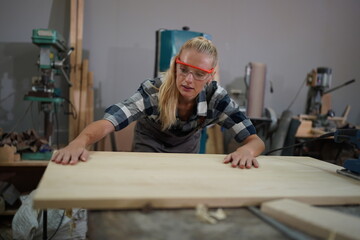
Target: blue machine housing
[(49, 37), (169, 43)]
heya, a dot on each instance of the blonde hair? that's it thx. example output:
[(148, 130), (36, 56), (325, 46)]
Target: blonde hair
[(168, 92)]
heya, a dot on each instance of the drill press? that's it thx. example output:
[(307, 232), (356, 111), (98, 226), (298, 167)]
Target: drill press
[(51, 62)]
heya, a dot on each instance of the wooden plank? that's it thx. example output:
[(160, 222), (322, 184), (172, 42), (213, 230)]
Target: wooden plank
[(215, 142), (124, 138), (324, 223), (79, 32), (76, 101), (325, 103), (73, 31), (90, 99), (72, 37), (83, 95), (78, 66), (346, 114), (89, 118), (111, 180), (304, 130)]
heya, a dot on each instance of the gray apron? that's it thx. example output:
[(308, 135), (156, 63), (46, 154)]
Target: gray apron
[(148, 137)]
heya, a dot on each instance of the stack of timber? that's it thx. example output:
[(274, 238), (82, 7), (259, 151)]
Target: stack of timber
[(81, 93)]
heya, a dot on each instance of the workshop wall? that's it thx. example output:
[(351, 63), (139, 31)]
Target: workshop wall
[(290, 37)]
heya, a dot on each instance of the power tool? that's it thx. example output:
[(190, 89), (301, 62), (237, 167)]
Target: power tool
[(351, 166), (51, 62)]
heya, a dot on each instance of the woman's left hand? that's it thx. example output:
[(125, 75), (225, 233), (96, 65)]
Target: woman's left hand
[(241, 158)]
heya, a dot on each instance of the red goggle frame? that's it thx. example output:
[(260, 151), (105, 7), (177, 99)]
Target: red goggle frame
[(177, 60)]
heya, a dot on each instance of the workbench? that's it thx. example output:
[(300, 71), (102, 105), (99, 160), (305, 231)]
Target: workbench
[(25, 175), (151, 193)]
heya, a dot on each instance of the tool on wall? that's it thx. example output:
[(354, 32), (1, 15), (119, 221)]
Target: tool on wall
[(52, 61)]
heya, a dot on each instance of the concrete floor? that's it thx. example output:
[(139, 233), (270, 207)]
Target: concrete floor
[(178, 225)]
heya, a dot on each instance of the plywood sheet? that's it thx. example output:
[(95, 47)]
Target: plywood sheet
[(320, 222), (113, 180)]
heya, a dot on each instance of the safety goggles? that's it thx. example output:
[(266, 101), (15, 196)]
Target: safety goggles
[(198, 74)]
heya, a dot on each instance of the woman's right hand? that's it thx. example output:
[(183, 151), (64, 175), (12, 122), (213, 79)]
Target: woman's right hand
[(76, 150), (70, 154)]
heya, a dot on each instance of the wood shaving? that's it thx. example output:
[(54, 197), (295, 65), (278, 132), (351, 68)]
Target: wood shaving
[(212, 217)]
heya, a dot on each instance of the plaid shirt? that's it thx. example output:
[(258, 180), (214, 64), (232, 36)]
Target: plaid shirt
[(213, 106)]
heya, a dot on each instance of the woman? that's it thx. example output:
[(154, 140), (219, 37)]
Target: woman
[(170, 113)]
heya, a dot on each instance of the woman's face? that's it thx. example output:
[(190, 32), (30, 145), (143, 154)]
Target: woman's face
[(189, 80)]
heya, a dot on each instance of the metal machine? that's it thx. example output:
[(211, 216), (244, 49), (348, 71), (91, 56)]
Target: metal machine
[(51, 62), (319, 81), (168, 43), (351, 166)]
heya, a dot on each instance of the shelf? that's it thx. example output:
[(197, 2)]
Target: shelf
[(25, 175), (10, 212), (25, 163)]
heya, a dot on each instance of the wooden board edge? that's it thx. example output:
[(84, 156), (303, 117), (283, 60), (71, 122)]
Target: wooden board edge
[(318, 222)]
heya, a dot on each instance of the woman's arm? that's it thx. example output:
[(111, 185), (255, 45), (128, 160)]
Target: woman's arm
[(76, 150), (245, 155)]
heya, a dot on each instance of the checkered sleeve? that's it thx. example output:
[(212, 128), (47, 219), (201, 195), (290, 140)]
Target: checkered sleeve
[(230, 116), (143, 102)]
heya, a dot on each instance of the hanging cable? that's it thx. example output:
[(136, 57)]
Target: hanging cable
[(297, 94), (326, 135)]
